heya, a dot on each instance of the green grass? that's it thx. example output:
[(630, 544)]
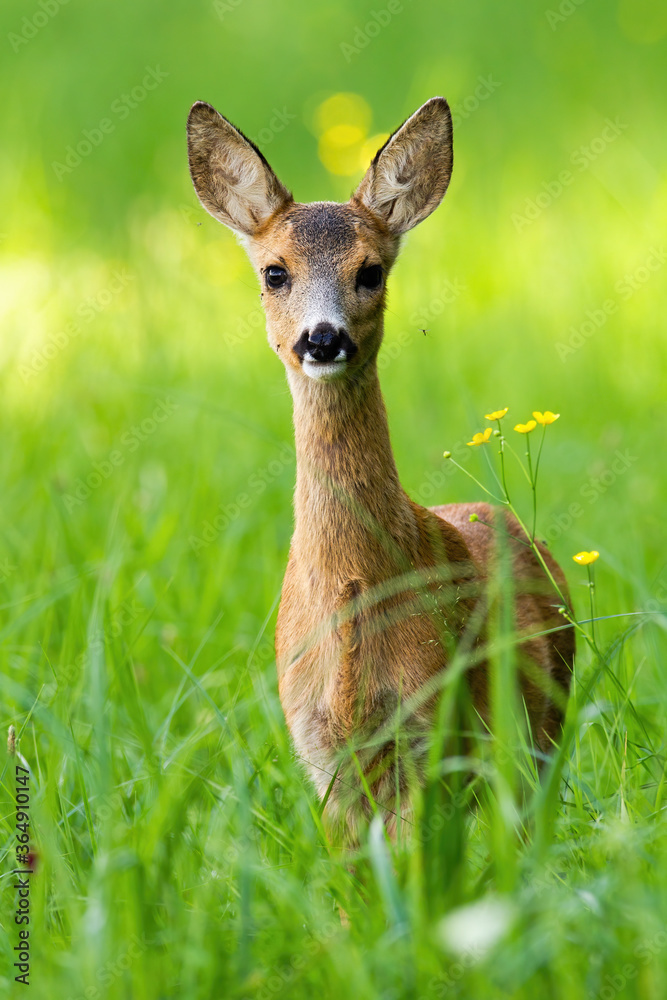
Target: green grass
[(177, 834)]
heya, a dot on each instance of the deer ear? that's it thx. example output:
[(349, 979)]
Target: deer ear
[(408, 178), (232, 179)]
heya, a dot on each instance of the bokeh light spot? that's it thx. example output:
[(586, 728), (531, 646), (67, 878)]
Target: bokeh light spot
[(370, 147), (339, 149), (343, 109)]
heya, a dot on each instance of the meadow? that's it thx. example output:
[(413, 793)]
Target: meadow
[(147, 472)]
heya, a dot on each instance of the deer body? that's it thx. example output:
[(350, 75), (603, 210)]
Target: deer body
[(356, 530), (378, 589)]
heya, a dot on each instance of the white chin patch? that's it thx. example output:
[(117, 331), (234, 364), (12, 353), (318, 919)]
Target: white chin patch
[(324, 371)]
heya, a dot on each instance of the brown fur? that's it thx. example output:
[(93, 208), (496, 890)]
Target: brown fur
[(378, 590)]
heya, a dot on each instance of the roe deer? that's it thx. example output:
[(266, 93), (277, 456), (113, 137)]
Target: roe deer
[(378, 589)]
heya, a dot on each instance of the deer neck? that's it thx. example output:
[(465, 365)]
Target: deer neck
[(353, 520)]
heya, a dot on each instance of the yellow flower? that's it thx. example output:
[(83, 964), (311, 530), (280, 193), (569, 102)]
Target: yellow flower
[(525, 428), (586, 558), (481, 437), (496, 415), (545, 418)]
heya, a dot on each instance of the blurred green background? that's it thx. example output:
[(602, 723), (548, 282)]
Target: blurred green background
[(147, 467)]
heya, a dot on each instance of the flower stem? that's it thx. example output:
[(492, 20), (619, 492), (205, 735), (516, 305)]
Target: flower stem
[(591, 588), (567, 612), (523, 467), (534, 477), (539, 453), (502, 463), (531, 476), (481, 485), (532, 485)]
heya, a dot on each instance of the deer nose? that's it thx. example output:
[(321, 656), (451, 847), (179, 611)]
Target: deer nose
[(323, 343)]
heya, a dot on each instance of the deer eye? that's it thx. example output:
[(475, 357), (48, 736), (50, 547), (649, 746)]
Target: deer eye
[(275, 276), (370, 277)]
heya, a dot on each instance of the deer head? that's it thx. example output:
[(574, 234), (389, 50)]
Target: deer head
[(322, 267)]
